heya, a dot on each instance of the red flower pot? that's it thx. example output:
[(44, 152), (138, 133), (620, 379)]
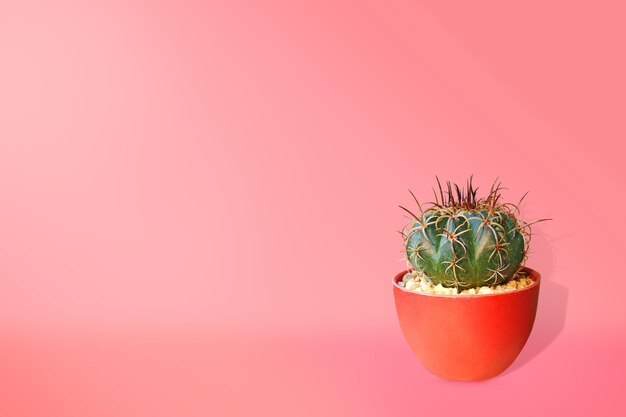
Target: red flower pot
[(467, 337)]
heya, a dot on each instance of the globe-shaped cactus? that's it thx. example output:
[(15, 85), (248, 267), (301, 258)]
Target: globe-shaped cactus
[(464, 242)]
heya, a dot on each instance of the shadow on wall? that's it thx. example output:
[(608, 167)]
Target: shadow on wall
[(552, 307)]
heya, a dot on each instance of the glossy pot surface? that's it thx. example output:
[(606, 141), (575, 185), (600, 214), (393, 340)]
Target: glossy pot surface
[(467, 337)]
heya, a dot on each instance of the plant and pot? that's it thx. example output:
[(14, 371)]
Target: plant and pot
[(466, 302)]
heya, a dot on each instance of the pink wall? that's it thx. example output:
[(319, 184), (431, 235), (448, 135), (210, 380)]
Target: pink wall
[(199, 200)]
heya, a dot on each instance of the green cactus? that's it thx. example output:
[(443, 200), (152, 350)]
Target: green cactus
[(463, 242)]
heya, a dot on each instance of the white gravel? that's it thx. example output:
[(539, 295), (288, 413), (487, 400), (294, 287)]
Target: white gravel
[(415, 282)]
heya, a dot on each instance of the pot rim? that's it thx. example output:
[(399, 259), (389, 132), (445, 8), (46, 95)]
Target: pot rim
[(532, 274)]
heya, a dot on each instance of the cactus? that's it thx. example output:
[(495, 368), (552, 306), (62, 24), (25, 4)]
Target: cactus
[(464, 242)]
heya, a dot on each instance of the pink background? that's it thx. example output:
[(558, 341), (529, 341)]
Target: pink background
[(199, 200)]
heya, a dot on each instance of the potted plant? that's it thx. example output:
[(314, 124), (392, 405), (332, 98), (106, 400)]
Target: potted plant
[(466, 304)]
